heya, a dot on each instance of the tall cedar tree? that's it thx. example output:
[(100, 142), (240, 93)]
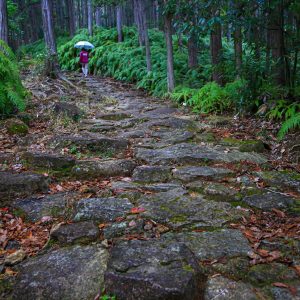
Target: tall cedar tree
[(3, 21)]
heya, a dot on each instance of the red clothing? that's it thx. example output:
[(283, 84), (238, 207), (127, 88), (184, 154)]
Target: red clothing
[(84, 57)]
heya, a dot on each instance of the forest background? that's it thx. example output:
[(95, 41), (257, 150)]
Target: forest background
[(215, 56)]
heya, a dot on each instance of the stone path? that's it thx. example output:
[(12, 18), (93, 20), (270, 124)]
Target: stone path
[(161, 229)]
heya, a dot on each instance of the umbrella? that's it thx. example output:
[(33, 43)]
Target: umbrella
[(84, 44)]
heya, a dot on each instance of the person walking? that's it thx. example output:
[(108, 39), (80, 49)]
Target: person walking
[(84, 60)]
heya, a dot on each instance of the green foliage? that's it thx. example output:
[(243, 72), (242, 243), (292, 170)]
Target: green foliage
[(211, 97), (289, 113), (12, 92), (291, 123)]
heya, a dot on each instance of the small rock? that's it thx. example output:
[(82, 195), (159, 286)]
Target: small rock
[(148, 226), (15, 258), (68, 109)]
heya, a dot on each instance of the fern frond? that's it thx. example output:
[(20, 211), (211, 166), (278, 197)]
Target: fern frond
[(291, 123)]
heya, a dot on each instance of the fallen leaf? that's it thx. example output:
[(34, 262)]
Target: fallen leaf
[(280, 284), (279, 213), (137, 210)]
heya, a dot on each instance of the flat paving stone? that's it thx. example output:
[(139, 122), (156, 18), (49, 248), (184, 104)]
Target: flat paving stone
[(103, 168), (194, 154), (37, 207), (154, 270), (14, 185), (188, 174), (96, 143), (152, 174), (177, 209), (49, 161), (213, 245), (68, 273), (270, 200), (102, 209)]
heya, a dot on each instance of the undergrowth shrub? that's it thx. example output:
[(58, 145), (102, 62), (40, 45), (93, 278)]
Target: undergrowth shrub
[(12, 92), (211, 97), (289, 113)]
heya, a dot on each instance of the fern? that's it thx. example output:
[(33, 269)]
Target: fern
[(291, 123), (12, 92)]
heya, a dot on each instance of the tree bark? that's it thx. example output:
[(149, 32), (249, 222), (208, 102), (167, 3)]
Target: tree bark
[(98, 16), (216, 50), (90, 17), (84, 11), (170, 58), (192, 51), (52, 65), (3, 21), (71, 17), (238, 50), (276, 43), (119, 22)]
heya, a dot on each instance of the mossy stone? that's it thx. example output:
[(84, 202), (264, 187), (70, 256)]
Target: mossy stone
[(16, 126), (265, 274)]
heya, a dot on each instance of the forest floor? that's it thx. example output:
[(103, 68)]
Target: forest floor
[(113, 191)]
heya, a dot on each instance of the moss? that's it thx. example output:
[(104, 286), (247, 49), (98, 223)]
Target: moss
[(55, 212), (6, 287), (19, 129), (188, 268), (178, 219), (265, 274), (19, 213)]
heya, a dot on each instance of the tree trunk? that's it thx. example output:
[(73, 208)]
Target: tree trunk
[(3, 21), (52, 65), (216, 50), (276, 43), (192, 51), (98, 16), (170, 58), (138, 21), (90, 17), (119, 23), (84, 12), (238, 50), (71, 17)]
